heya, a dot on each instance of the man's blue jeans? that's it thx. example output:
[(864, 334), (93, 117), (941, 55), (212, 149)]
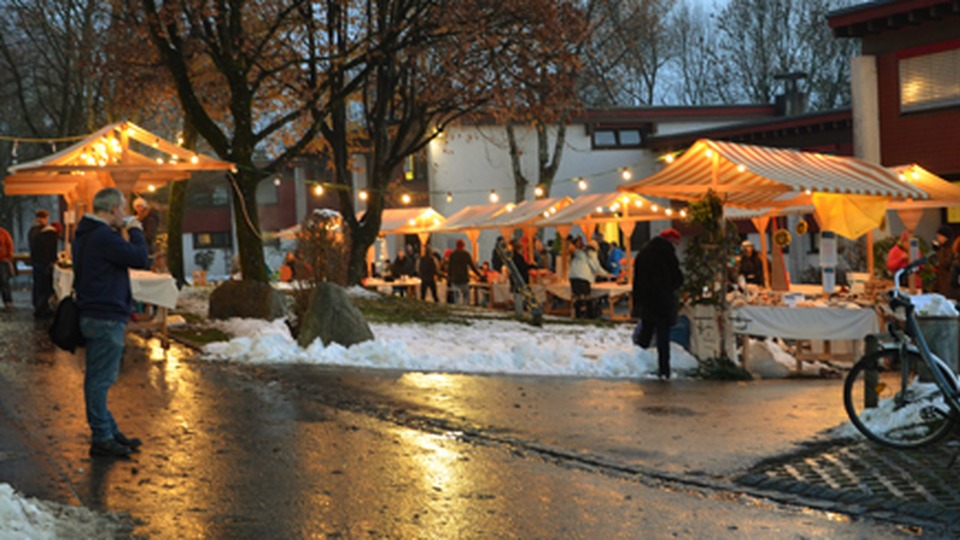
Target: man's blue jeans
[(104, 350)]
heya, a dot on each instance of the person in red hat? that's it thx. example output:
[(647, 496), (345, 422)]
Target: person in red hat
[(656, 279)]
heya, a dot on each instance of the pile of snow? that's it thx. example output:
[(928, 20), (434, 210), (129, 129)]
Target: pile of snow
[(890, 415), (22, 517), (484, 346), (768, 359)]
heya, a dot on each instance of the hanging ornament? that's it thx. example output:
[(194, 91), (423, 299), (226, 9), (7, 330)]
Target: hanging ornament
[(782, 238), (802, 227)]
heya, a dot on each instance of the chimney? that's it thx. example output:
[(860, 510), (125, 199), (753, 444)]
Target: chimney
[(792, 101)]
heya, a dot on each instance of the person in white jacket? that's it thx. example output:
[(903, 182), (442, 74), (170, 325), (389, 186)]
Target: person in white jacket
[(584, 269)]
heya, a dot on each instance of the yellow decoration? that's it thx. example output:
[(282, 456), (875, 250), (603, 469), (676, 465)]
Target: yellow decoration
[(802, 227), (782, 238), (850, 216)]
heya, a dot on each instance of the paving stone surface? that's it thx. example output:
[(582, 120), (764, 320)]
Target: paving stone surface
[(922, 484)]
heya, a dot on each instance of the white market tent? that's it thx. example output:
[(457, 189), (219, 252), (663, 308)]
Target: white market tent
[(525, 216), (469, 220), (585, 211)]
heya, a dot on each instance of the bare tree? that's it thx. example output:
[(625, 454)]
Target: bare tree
[(543, 80), (763, 38), (630, 42)]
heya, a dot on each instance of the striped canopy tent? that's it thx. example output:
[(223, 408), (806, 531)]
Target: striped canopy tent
[(755, 176), (525, 216), (468, 221), (588, 210), (121, 155)]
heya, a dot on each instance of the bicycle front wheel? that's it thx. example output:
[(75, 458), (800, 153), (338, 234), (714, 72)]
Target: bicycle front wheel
[(892, 399)]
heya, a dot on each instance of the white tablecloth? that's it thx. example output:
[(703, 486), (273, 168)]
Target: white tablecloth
[(821, 323), (597, 290), (149, 287)]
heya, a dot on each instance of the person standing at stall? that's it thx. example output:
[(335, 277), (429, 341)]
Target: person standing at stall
[(429, 269), (458, 276), (102, 259), (943, 243), (44, 240), (751, 267), (656, 279)]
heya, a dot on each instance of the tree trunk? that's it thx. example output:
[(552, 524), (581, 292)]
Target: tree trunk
[(178, 195), (247, 225)]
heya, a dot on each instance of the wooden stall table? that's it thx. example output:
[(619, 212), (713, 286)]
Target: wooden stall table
[(148, 287), (479, 290), (807, 323), (611, 290), (410, 285)]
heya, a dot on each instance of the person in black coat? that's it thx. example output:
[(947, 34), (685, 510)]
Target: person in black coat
[(656, 278), (429, 269), (44, 243)]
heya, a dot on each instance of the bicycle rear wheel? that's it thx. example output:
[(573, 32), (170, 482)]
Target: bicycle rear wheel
[(889, 401)]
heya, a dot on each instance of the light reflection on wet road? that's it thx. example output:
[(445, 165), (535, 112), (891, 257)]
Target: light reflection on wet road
[(246, 452)]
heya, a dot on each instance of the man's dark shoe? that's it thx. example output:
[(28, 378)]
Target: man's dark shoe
[(110, 448), (132, 443)]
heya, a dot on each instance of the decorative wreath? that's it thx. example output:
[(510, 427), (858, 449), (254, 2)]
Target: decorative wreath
[(782, 238), (802, 227)]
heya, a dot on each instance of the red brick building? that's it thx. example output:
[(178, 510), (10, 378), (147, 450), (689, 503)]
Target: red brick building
[(906, 83)]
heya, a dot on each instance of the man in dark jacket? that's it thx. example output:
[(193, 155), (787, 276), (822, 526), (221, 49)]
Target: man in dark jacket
[(458, 274), (656, 278), (102, 259), (429, 269), (43, 239)]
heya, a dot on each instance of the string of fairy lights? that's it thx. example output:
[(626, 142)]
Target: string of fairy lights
[(105, 151)]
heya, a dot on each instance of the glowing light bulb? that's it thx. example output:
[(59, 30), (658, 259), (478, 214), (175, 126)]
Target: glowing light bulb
[(276, 181), (639, 203), (412, 222), (807, 191), (709, 152), (538, 191), (194, 159), (493, 196), (363, 195), (903, 177), (626, 174), (741, 168), (683, 213), (318, 190), (669, 211), (653, 208), (669, 158), (599, 209), (916, 175), (151, 188), (405, 198), (159, 161), (582, 184), (449, 197)]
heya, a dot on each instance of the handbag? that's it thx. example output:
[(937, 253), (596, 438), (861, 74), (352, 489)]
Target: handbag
[(65, 329)]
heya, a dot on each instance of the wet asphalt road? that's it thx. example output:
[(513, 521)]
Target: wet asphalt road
[(301, 452)]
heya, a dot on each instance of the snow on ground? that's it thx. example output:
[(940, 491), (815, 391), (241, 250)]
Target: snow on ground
[(483, 346), (23, 518)]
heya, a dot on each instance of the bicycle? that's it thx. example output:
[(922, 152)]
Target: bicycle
[(902, 395)]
